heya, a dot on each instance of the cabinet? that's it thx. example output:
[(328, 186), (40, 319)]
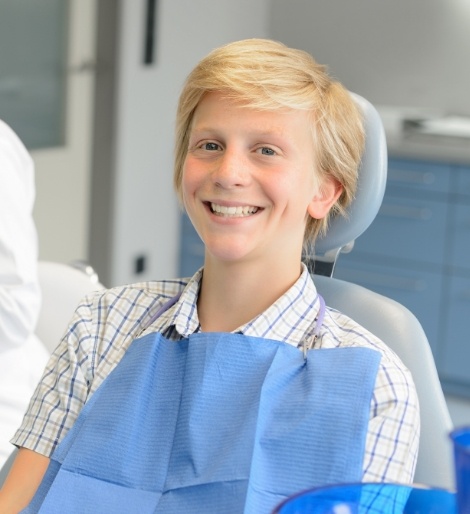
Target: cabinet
[(417, 252), (192, 249), (455, 353)]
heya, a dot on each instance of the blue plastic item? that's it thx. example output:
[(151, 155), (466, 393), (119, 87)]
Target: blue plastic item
[(370, 498), (461, 440)]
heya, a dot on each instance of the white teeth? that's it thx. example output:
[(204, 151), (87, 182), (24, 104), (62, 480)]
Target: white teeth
[(233, 212)]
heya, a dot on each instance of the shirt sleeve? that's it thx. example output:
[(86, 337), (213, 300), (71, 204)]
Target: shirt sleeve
[(19, 290), (64, 387), (102, 328), (393, 434)]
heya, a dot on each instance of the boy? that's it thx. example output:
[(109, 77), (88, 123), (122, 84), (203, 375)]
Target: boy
[(234, 389)]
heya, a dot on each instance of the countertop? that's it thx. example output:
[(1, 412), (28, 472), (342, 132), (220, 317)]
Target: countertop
[(427, 135)]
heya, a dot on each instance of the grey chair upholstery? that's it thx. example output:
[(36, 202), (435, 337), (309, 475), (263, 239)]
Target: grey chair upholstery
[(401, 331), (384, 317), (369, 195)]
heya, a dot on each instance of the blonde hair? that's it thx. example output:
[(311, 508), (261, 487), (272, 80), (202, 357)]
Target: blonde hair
[(267, 75)]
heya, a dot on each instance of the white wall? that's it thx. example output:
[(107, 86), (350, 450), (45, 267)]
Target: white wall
[(63, 173), (146, 214), (400, 53)]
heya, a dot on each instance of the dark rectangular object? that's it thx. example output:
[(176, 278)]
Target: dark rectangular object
[(150, 32)]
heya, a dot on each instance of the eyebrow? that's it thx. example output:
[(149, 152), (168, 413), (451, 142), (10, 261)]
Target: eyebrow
[(277, 132)]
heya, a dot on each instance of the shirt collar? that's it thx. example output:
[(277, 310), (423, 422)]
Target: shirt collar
[(290, 319)]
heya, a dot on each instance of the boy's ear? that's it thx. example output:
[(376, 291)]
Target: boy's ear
[(325, 198)]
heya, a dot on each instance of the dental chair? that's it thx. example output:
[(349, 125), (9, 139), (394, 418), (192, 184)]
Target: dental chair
[(62, 287), (385, 318)]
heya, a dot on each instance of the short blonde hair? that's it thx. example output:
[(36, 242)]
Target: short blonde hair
[(267, 75)]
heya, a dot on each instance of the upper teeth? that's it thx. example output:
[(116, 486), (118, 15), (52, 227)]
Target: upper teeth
[(233, 211)]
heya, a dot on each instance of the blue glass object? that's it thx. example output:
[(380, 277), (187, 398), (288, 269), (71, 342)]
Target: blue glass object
[(370, 498), (461, 440)]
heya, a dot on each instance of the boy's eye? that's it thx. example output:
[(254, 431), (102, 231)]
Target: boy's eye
[(211, 146), (266, 151)]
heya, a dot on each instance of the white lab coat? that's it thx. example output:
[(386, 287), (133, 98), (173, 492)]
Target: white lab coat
[(22, 355)]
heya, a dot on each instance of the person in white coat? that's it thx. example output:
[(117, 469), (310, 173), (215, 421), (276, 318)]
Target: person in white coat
[(22, 355)]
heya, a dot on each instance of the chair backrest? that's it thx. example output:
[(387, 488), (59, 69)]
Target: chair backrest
[(385, 318), (62, 286), (369, 195), (402, 332)]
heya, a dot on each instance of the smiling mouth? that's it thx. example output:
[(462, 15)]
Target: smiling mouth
[(233, 212)]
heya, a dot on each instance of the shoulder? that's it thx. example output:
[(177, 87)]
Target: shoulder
[(107, 321), (118, 314), (151, 290), (132, 300)]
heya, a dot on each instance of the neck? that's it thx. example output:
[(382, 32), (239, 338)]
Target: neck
[(234, 293)]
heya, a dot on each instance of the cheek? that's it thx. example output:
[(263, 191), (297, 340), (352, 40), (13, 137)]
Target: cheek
[(297, 187), (191, 170), (187, 176), (191, 181), (184, 186)]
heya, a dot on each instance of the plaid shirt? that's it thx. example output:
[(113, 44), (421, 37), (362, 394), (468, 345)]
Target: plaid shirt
[(106, 323)]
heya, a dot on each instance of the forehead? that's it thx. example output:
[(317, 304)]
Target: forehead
[(217, 111)]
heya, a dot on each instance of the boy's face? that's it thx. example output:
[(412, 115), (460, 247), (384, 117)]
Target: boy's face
[(249, 180)]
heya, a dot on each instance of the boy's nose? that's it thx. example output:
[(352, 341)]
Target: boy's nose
[(231, 170)]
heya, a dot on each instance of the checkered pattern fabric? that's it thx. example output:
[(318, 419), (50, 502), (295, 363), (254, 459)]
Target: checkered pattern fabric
[(106, 323)]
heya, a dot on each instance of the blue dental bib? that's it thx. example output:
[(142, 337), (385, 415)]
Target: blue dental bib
[(213, 424)]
